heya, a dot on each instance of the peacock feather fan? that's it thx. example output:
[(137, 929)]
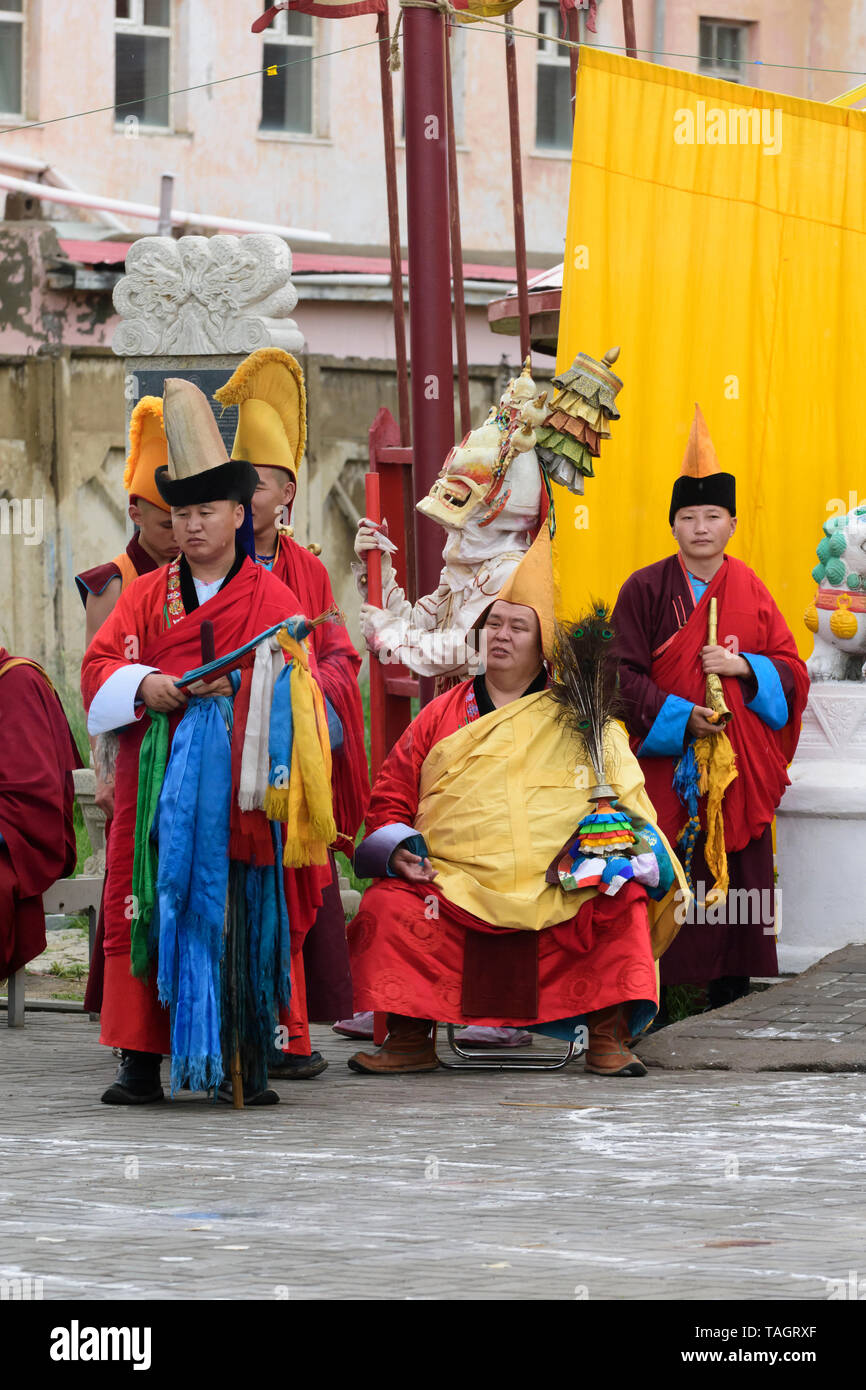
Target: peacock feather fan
[(585, 679)]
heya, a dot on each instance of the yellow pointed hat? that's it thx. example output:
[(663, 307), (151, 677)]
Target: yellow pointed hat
[(268, 389), (531, 584), (700, 459), (148, 451), (701, 481)]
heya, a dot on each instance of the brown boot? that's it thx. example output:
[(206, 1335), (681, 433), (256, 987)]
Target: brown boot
[(408, 1047), (608, 1053)]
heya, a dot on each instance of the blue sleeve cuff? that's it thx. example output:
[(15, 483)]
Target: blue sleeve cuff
[(417, 845), (667, 735), (335, 726), (235, 678), (372, 855), (769, 704)]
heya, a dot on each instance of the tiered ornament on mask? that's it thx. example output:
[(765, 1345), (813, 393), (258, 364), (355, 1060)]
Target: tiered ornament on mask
[(579, 418), (488, 497)]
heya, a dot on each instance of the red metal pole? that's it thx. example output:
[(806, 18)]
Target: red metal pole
[(456, 246), (517, 187), (628, 27), (431, 380), (394, 229)]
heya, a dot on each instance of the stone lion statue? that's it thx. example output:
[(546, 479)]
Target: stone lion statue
[(837, 614)]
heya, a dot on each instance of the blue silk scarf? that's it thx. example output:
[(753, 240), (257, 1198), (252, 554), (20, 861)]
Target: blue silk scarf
[(192, 828)]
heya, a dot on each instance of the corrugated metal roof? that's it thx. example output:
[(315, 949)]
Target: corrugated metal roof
[(303, 262)]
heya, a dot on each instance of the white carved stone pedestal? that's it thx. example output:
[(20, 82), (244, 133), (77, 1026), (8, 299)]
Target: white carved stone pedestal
[(821, 829), (195, 307)]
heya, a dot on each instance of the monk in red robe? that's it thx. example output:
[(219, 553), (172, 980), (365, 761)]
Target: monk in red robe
[(152, 545), (268, 389), (661, 622), (37, 835), (152, 637), (471, 807)]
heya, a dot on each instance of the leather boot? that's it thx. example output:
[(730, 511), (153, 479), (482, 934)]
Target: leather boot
[(409, 1046), (137, 1080), (608, 1053)]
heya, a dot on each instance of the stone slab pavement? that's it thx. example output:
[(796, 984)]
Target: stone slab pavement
[(494, 1186), (815, 1021)]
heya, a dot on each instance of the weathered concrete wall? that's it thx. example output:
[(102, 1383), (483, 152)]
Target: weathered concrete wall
[(62, 450), (33, 316)]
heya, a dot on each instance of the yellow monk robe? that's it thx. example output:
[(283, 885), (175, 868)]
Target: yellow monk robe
[(498, 800)]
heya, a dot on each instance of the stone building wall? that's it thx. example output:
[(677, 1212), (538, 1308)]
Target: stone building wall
[(62, 451)]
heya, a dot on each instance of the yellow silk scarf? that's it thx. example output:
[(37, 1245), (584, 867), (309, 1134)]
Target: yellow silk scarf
[(498, 800), (306, 803)]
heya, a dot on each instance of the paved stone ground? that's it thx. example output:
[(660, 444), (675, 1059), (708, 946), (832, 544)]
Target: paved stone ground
[(485, 1186), (813, 1022)]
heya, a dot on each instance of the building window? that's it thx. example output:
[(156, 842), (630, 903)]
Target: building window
[(11, 48), (554, 121), (722, 49), (287, 94), (142, 61)]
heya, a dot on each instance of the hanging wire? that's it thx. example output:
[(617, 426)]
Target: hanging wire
[(480, 25)]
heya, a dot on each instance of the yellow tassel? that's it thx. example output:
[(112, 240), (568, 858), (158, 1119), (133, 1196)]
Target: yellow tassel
[(276, 803), (717, 763), (309, 812)]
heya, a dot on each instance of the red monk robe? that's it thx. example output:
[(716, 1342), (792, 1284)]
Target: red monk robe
[(37, 835), (152, 625), (326, 957), (408, 942), (660, 630), (127, 567)]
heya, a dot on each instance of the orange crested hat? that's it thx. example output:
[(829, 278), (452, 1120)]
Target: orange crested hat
[(148, 451), (531, 584), (701, 482)]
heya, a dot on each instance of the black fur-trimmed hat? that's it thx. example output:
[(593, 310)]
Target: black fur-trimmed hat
[(701, 482), (199, 468)]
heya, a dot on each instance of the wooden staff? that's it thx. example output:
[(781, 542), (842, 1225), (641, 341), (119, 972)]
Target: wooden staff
[(373, 508)]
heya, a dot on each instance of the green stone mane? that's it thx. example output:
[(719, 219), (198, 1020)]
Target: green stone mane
[(831, 548)]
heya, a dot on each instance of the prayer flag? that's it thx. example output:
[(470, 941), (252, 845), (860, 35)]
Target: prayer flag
[(324, 9)]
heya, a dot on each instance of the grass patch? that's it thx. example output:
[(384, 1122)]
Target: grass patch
[(75, 971), (683, 1001)]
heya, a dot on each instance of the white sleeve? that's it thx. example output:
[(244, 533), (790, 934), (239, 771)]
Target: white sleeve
[(114, 702)]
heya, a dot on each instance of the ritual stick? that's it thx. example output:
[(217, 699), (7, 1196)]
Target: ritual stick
[(517, 188), (456, 244), (393, 227), (208, 654), (373, 508)]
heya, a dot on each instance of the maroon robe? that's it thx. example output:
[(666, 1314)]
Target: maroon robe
[(326, 951), (660, 630), (37, 758)]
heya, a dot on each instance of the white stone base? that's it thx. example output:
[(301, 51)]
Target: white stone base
[(821, 829)]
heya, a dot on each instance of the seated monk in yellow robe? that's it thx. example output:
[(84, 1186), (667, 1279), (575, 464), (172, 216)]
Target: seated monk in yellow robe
[(465, 921)]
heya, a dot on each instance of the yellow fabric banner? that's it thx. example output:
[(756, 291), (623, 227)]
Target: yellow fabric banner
[(716, 233)]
